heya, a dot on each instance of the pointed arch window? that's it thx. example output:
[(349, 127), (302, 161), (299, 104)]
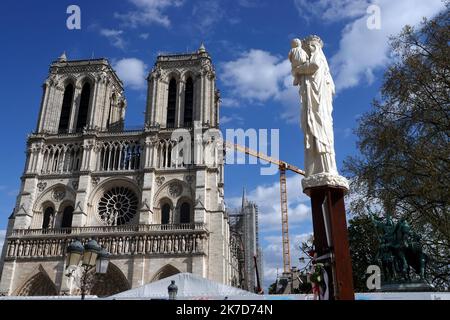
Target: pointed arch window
[(188, 102), (84, 106), (165, 214), (185, 213), (48, 218), (67, 217), (171, 103), (111, 105), (65, 109)]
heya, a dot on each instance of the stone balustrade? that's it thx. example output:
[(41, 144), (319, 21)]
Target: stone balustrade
[(141, 228)]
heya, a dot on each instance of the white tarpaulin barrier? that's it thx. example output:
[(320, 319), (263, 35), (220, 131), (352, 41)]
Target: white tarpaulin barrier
[(190, 286)]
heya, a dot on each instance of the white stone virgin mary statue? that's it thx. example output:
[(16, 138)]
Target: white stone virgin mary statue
[(316, 93)]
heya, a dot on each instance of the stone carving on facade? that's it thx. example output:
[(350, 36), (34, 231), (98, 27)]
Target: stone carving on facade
[(189, 179), (160, 181), (156, 72), (120, 246), (155, 246), (183, 244), (175, 244), (41, 186), (133, 245), (95, 181), (90, 144), (138, 179), (27, 249), (46, 248), (141, 245), (75, 185), (169, 245), (165, 244), (175, 189), (58, 194), (198, 244), (126, 244), (98, 146)]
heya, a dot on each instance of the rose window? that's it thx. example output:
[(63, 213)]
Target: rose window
[(118, 206)]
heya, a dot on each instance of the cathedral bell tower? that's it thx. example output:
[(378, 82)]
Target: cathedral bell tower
[(79, 95), (181, 91)]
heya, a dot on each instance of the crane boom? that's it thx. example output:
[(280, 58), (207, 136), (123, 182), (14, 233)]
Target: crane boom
[(264, 157), (283, 166)]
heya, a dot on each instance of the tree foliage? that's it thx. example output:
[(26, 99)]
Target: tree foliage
[(403, 167), (363, 249)]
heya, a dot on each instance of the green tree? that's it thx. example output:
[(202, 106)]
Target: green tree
[(403, 167), (273, 288), (363, 249)]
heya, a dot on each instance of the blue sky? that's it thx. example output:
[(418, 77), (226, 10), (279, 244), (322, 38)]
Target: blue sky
[(248, 41)]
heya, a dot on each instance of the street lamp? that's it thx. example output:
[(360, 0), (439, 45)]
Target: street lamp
[(173, 290), (102, 261), (90, 256), (74, 253)]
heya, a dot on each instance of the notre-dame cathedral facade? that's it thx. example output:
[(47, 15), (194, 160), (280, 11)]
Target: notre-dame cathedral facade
[(156, 207)]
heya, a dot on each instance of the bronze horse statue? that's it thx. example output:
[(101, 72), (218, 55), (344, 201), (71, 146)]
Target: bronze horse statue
[(399, 249), (411, 249)]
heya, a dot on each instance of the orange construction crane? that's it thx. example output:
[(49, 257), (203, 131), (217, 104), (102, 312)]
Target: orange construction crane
[(283, 166)]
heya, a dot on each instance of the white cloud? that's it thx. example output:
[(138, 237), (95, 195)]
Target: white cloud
[(258, 76), (229, 102), (267, 197), (207, 14), (236, 119), (13, 192), (249, 3), (2, 239), (114, 36), (225, 119), (362, 51), (144, 36), (132, 72), (331, 10), (273, 255), (8, 190), (149, 12)]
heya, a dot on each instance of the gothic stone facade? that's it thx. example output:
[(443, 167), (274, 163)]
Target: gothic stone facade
[(140, 194)]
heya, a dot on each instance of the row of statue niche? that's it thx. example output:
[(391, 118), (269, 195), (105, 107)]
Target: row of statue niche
[(154, 244), (142, 244), (36, 248)]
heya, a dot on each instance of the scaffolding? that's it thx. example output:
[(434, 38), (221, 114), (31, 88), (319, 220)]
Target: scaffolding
[(244, 231)]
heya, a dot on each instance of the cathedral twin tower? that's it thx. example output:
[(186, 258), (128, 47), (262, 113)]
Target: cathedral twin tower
[(86, 177)]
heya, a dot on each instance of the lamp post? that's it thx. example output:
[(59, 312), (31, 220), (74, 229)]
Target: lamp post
[(173, 290), (90, 255)]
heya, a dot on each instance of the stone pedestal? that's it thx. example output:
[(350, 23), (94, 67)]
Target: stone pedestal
[(330, 231)]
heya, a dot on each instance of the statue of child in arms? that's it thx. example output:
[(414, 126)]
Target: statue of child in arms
[(297, 56)]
